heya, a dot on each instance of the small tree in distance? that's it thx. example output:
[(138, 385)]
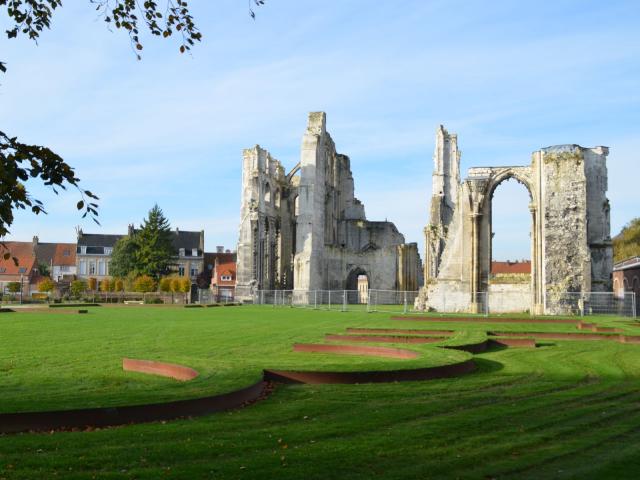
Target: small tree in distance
[(185, 287), (118, 285), (106, 285), (165, 284), (77, 288), (93, 284), (13, 287), (46, 285), (175, 285), (144, 284)]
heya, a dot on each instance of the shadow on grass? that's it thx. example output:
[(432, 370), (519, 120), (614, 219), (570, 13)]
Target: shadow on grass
[(487, 366)]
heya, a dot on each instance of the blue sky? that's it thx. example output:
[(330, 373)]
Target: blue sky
[(509, 77)]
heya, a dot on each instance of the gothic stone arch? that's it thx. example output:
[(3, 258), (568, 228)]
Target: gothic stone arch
[(570, 235)]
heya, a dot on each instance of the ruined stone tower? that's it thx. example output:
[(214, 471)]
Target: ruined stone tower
[(305, 230), (571, 251)]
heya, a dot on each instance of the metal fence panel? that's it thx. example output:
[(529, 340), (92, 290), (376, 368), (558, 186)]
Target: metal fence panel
[(483, 303)]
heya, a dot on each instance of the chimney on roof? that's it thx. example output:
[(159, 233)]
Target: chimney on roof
[(35, 240), (177, 230), (130, 230), (220, 249), (227, 251)]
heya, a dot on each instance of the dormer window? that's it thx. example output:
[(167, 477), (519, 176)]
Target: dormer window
[(66, 253), (108, 250), (194, 252), (22, 270), (181, 252)]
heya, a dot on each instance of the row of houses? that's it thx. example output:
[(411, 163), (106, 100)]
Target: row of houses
[(90, 257)]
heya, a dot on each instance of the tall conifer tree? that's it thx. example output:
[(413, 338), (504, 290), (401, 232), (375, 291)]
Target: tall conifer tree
[(155, 247)]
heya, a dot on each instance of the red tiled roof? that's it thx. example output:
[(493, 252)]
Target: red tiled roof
[(23, 252), (65, 254), (511, 267), (226, 268)]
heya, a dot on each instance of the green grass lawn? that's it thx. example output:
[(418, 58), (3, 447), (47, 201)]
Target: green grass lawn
[(568, 409)]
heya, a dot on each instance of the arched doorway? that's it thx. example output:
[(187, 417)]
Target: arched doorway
[(507, 286), (357, 284), (509, 275)]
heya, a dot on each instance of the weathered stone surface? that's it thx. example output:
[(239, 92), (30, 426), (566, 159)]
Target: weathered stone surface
[(305, 230), (571, 244)]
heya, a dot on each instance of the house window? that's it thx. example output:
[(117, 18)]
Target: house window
[(2, 269), (66, 253), (83, 249), (92, 268), (181, 270), (101, 267), (64, 268), (108, 264), (194, 270), (296, 206), (194, 252), (22, 270), (226, 278), (83, 268)]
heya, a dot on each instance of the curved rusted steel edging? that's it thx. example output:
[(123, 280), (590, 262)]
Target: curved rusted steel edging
[(376, 376), (171, 370), (387, 352), (382, 338), (479, 347), (486, 319), (114, 416)]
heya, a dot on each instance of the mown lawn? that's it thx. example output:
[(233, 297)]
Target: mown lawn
[(568, 409)]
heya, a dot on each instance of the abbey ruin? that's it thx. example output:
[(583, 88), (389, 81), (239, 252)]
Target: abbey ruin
[(571, 249), (305, 230)]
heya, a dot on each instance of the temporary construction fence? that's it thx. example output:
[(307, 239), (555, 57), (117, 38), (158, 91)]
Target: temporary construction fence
[(393, 301)]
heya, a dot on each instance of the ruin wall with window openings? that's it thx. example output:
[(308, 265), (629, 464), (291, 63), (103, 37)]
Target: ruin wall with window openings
[(305, 230)]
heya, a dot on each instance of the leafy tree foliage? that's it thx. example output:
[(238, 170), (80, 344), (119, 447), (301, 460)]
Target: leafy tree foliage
[(203, 280), (144, 284), (175, 285), (19, 161), (106, 285), (43, 269), (627, 243), (165, 284), (92, 284), (46, 285), (123, 257), (118, 285), (185, 285), (13, 287), (77, 288)]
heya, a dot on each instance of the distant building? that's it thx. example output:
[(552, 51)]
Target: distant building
[(626, 278), (36, 261), (223, 278), (511, 268), (63, 264), (94, 253), (26, 270)]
